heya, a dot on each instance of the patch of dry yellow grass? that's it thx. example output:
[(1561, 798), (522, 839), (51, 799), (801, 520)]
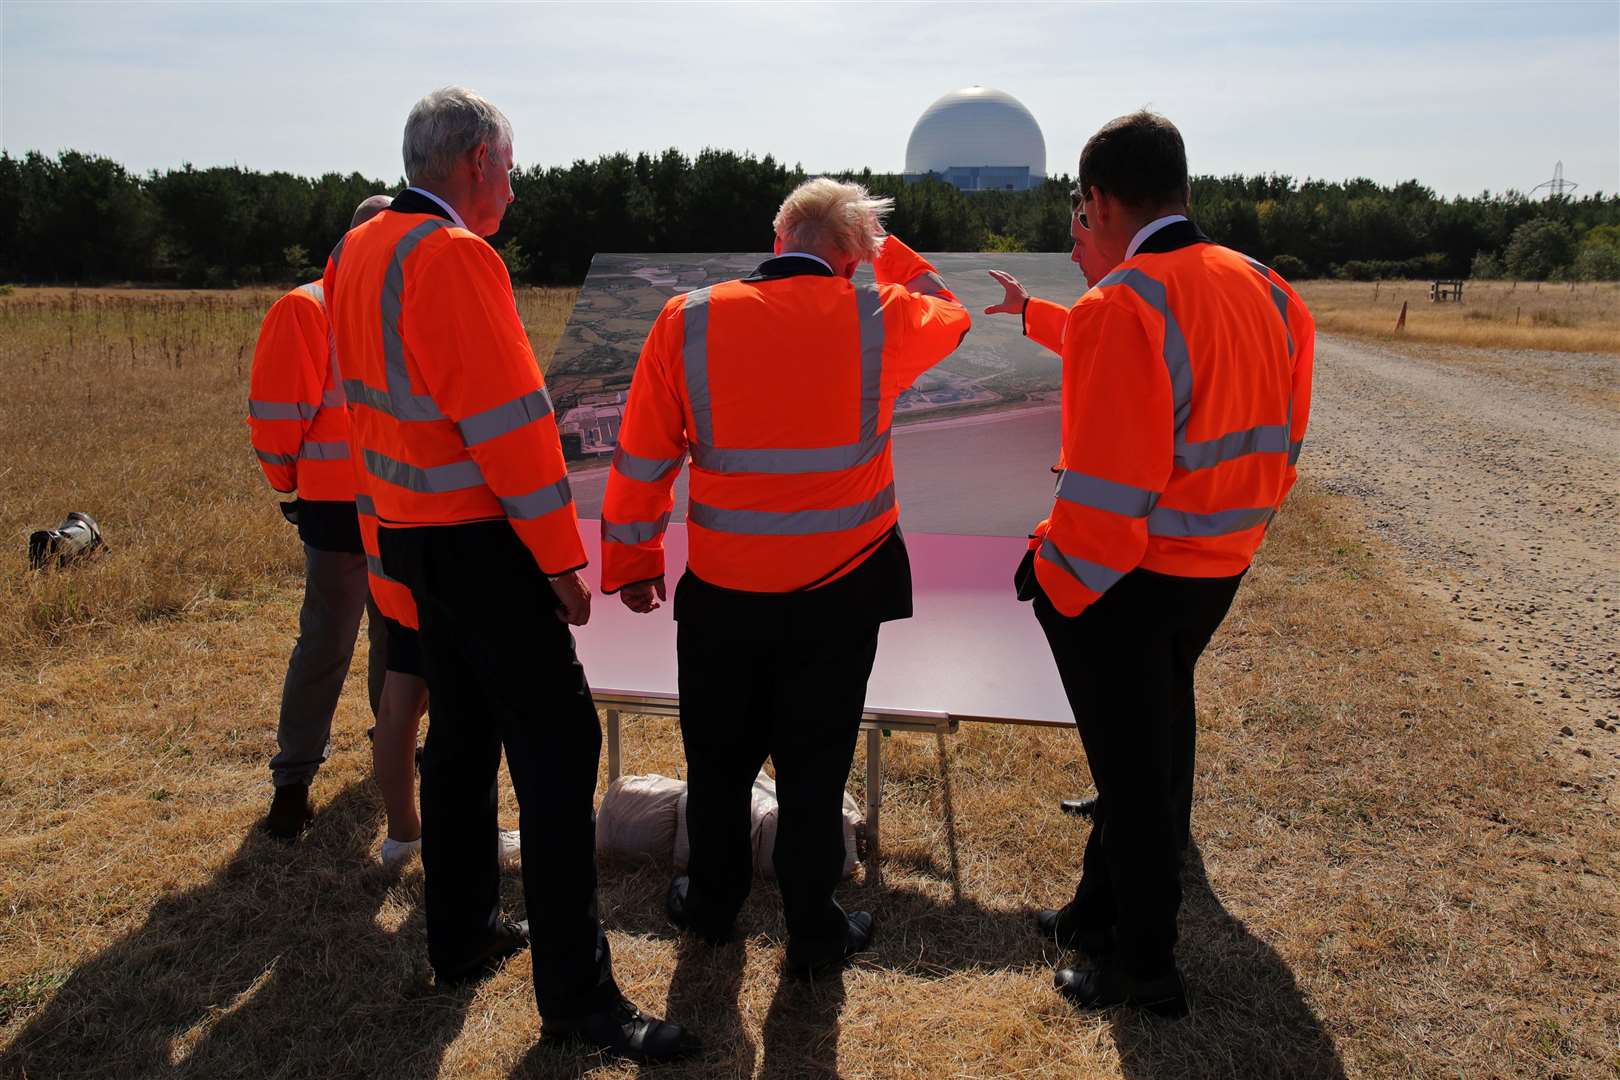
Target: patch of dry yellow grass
[(1584, 317), (1391, 879)]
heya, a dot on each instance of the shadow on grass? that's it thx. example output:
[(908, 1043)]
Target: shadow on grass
[(1249, 1017), (274, 967)]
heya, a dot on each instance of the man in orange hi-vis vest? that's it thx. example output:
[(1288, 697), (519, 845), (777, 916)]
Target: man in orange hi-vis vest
[(465, 471), (404, 697), (781, 389), (300, 432), (1186, 389)]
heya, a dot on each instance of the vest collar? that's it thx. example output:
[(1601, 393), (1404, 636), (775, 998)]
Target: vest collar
[(413, 202), (1173, 237), (789, 266)]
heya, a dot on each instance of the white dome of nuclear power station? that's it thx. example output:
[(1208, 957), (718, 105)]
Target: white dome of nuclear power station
[(979, 139)]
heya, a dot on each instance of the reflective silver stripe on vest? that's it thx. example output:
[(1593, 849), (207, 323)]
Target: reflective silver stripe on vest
[(789, 462), (1264, 439), (276, 459), (928, 283), (1100, 494), (1094, 576), (374, 564), (403, 405), (1293, 450), (358, 393), (504, 418), (314, 291), (790, 522), (647, 470), (433, 480), (363, 504), (1176, 361), (538, 502), (633, 532), (784, 461), (337, 450), (1279, 300), (695, 359), (1167, 522), (281, 410), (869, 303), (334, 398)]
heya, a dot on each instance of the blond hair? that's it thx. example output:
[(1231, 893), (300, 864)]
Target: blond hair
[(824, 216)]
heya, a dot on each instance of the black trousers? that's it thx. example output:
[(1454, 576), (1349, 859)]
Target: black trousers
[(1127, 667), (798, 702), (501, 671)]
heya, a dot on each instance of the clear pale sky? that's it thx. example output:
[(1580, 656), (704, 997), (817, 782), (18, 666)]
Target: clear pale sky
[(1462, 96)]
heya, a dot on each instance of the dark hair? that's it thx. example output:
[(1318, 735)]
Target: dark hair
[(1139, 159)]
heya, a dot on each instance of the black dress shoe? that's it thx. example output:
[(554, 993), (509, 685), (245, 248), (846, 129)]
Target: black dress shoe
[(627, 1032), (1093, 941), (1107, 987), (290, 812), (857, 938), (677, 907), (508, 939)]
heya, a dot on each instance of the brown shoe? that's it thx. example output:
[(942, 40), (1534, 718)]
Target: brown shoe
[(290, 812)]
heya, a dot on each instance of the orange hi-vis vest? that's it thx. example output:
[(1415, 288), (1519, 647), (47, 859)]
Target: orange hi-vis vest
[(781, 387), (1186, 391), (296, 417), (449, 413), (392, 597)]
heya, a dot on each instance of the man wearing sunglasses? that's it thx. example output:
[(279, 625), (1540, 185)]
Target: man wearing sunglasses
[(1186, 389)]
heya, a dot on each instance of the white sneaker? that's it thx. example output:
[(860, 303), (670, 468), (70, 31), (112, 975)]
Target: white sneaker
[(510, 849), (396, 852)]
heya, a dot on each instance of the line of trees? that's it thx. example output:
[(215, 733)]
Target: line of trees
[(85, 219)]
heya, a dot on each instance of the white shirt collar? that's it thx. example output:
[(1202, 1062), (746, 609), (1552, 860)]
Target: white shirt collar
[(455, 217), (1149, 229), (806, 255)]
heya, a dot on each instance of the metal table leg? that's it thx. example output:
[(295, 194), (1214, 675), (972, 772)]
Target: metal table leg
[(874, 795), (613, 744)]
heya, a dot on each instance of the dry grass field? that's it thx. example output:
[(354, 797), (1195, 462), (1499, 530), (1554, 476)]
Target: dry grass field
[(1391, 877), (1584, 317)]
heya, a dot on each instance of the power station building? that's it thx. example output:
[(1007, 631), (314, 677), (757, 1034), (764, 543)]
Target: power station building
[(978, 139)]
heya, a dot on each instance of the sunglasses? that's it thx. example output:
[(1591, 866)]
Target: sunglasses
[(1077, 202)]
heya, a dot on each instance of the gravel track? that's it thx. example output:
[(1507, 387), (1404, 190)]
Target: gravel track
[(1497, 472)]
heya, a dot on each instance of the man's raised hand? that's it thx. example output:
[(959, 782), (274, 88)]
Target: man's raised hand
[(1017, 296)]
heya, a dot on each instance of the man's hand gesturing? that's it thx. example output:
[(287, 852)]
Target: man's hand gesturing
[(1017, 296), (643, 596), (573, 599)]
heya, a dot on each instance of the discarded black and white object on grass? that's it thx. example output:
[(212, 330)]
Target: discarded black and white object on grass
[(76, 539)]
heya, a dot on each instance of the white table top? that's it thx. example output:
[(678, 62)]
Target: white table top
[(971, 651)]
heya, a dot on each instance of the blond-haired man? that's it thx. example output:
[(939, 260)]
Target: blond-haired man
[(780, 387)]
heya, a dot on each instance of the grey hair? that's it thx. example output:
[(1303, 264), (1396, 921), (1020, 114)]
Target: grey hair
[(825, 216), (444, 126)]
